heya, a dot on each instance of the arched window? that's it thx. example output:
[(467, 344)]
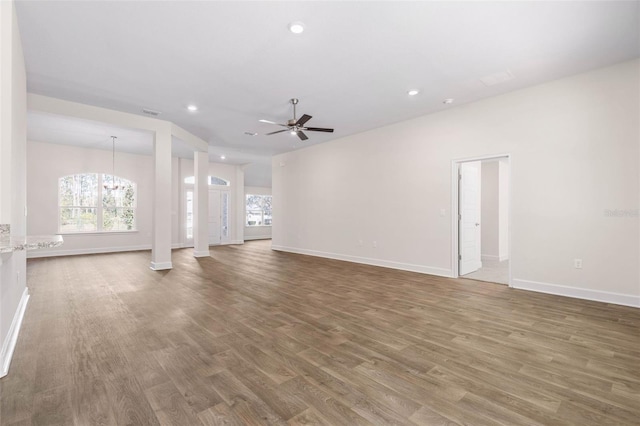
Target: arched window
[(213, 180), (93, 202)]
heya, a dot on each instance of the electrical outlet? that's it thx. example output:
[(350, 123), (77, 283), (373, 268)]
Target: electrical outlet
[(375, 244), (577, 263), (360, 242)]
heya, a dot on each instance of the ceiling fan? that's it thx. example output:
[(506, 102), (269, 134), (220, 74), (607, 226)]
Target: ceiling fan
[(296, 126)]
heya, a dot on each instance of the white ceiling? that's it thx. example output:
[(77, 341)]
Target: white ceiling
[(351, 68)]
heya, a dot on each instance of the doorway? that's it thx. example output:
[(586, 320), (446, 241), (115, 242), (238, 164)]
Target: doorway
[(217, 217), (482, 228)]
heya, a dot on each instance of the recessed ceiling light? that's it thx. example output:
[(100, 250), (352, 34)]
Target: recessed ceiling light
[(296, 27), (413, 92), (222, 157), (448, 101), (192, 108)]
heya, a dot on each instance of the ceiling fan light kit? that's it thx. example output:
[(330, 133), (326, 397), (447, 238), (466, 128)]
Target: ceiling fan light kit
[(296, 125)]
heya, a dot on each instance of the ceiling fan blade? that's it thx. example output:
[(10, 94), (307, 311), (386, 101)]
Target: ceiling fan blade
[(277, 131), (273, 122), (301, 135), (318, 129), (303, 120)]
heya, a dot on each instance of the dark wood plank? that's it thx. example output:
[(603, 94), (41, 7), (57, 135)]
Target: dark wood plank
[(220, 415), (250, 336)]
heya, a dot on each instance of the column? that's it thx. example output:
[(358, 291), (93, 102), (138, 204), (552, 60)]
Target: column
[(161, 245)]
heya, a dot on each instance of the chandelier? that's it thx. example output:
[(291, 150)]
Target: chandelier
[(112, 186)]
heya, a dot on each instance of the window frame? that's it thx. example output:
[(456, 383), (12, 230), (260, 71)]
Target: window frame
[(100, 207)]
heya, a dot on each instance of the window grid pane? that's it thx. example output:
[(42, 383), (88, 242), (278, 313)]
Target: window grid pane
[(78, 219), (189, 215), (225, 215), (118, 219)]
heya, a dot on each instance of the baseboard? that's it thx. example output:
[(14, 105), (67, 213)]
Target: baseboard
[(258, 237), (441, 272), (236, 242), (578, 293), (161, 266), (203, 253), (12, 336)]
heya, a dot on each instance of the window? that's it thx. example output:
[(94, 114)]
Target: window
[(225, 215), (213, 180), (189, 215), (85, 205), (258, 210)]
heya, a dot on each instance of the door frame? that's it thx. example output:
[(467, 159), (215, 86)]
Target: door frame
[(455, 210)]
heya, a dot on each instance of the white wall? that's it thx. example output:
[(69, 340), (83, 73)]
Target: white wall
[(489, 216), (377, 197), (256, 232), (46, 162), (13, 128)]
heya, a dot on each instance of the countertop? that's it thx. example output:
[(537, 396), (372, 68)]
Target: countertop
[(33, 242)]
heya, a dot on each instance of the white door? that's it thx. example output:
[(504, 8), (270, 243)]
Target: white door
[(214, 217), (469, 220)]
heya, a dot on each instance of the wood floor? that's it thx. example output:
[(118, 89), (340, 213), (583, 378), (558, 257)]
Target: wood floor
[(253, 336)]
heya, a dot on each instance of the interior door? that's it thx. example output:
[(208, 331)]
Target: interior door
[(469, 219), (214, 217)]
